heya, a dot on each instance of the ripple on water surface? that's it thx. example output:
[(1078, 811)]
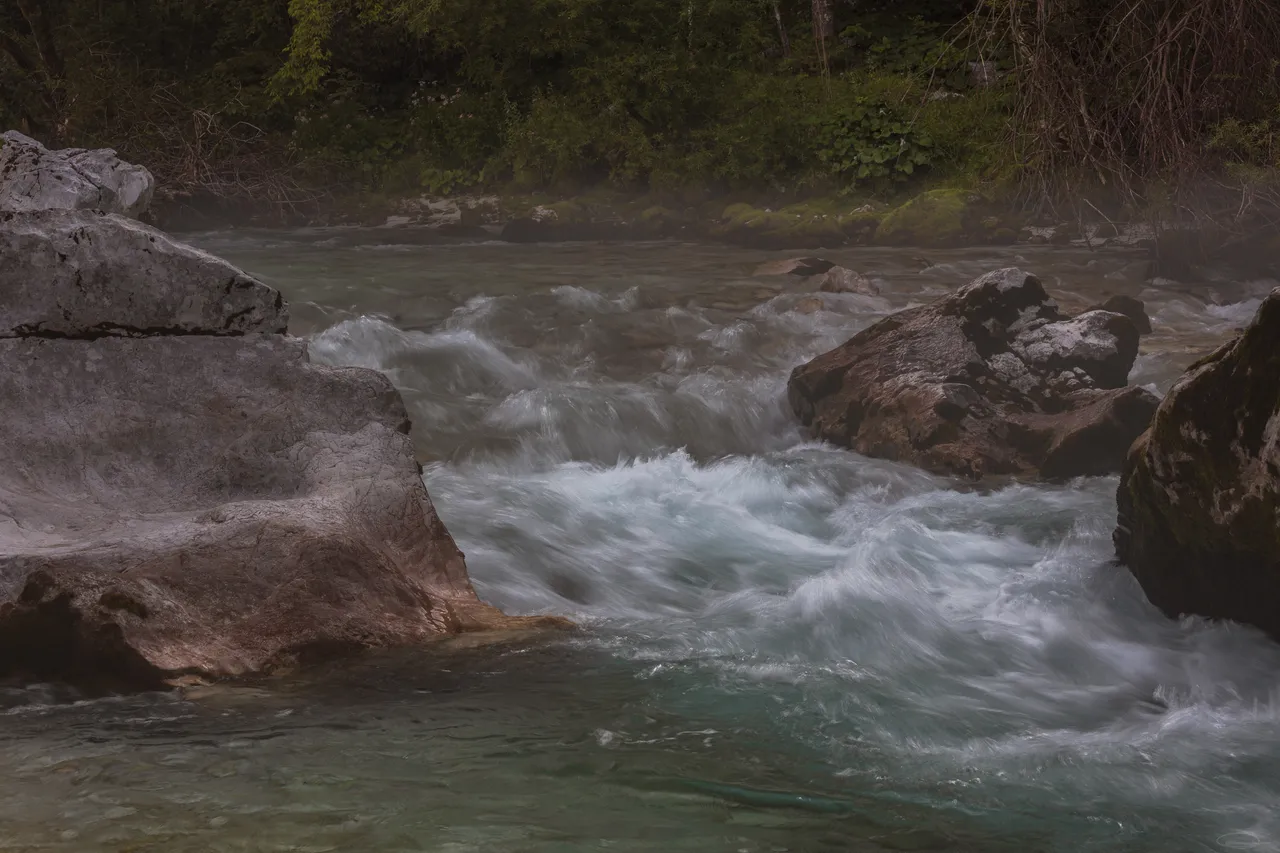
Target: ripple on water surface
[(788, 647)]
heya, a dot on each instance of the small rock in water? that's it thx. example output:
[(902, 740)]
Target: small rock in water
[(802, 267), (842, 280)]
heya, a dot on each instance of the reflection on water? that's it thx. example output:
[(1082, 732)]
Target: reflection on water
[(785, 646)]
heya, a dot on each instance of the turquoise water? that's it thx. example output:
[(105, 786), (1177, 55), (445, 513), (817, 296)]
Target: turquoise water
[(786, 647)]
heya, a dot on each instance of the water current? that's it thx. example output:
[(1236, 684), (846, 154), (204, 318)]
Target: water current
[(786, 647)]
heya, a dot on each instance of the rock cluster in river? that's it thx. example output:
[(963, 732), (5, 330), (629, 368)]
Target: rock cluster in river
[(181, 490), (1199, 497), (991, 380)]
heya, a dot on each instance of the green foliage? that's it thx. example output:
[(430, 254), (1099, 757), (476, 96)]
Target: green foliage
[(1255, 142), (914, 46), (445, 96), (875, 142)]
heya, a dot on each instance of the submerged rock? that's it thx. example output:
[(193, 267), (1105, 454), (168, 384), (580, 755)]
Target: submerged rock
[(842, 280), (803, 267), (34, 178), (992, 380), (181, 491), (1199, 499)]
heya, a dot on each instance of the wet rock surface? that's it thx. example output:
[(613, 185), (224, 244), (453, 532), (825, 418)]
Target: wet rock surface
[(992, 380), (1199, 498)]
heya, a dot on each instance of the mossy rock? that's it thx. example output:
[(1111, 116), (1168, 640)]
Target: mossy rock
[(934, 218), (659, 221), (797, 226), (570, 212)]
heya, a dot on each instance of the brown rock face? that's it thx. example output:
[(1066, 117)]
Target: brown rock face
[(1199, 497), (181, 491), (992, 380)]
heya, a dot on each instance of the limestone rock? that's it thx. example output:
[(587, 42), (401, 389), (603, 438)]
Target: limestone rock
[(181, 491), (34, 178), (992, 380), (1199, 499), (842, 280), (83, 274)]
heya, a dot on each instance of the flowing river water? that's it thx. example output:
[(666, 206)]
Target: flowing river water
[(786, 647)]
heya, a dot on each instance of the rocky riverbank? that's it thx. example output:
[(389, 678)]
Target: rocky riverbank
[(934, 218)]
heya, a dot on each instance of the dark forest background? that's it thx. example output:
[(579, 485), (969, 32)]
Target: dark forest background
[(291, 100)]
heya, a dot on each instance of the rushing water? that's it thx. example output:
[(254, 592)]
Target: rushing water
[(787, 647)]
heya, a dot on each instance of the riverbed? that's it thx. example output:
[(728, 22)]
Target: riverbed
[(785, 646)]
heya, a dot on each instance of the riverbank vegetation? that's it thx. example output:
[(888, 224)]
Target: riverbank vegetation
[(290, 101)]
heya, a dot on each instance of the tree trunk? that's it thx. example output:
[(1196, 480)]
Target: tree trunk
[(35, 79), (782, 31), (824, 22), (824, 31), (42, 34)]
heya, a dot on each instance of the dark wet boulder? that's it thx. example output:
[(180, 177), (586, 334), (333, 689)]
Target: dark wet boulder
[(1199, 498), (992, 380), (1130, 306), (181, 491)]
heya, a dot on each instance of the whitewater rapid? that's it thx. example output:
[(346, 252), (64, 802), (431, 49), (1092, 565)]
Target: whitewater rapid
[(786, 646)]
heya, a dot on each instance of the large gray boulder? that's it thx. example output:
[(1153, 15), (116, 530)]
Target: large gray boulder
[(184, 495), (84, 274), (34, 178), (1199, 499), (991, 380)]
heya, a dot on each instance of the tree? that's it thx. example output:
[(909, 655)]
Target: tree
[(36, 71), (824, 32)]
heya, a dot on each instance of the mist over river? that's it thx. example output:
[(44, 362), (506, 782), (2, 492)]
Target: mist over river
[(786, 647)]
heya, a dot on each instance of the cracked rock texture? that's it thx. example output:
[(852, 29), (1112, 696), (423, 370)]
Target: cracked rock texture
[(181, 491), (991, 380), (1199, 498), (73, 273), (34, 178)]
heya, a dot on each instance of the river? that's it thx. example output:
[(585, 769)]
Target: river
[(786, 647)]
